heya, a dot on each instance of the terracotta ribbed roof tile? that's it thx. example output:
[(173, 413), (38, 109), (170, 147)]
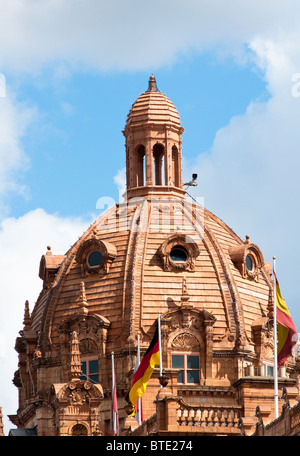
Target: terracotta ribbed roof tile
[(152, 106)]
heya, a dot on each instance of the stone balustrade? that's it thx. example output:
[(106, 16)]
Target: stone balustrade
[(208, 416)]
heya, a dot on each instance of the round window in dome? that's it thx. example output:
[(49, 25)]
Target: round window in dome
[(178, 254), (249, 263), (94, 259)]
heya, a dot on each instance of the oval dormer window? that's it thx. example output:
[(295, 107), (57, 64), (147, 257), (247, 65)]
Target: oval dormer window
[(94, 259), (249, 263), (178, 254)]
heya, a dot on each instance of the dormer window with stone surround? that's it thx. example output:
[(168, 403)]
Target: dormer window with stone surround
[(95, 256), (178, 252), (248, 259)]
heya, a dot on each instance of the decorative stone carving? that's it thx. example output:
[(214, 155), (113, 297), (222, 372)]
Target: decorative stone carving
[(186, 318), (79, 398), (90, 328), (184, 342), (92, 333), (263, 336)]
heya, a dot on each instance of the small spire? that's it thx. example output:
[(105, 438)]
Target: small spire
[(27, 318), (152, 84), (82, 300), (75, 365), (49, 250)]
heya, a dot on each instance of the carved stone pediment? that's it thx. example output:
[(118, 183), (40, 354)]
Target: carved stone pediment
[(187, 317), (91, 330), (78, 392), (80, 399)]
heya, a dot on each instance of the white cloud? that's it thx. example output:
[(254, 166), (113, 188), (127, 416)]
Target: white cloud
[(22, 243), (131, 35), (120, 179), (15, 118)]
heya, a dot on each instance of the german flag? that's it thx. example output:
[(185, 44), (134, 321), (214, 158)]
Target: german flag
[(286, 330), (144, 371)]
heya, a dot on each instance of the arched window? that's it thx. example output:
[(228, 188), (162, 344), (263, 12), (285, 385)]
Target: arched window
[(158, 157), (140, 157)]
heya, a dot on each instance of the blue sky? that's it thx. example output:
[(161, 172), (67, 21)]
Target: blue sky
[(75, 144), (72, 69)]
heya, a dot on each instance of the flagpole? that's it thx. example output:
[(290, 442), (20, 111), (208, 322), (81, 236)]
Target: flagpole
[(113, 397), (159, 344), (140, 399), (275, 344)]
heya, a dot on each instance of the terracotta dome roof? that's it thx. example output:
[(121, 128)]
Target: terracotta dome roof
[(153, 107), (139, 277)]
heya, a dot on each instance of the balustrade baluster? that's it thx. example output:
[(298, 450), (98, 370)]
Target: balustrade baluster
[(212, 417), (192, 417), (179, 416), (232, 416), (186, 416), (225, 415), (205, 417), (219, 417), (198, 417)]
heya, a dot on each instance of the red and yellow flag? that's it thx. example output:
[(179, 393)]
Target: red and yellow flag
[(286, 330), (144, 371)]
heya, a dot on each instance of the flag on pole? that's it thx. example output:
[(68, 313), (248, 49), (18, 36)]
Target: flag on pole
[(144, 371), (114, 421), (286, 330)]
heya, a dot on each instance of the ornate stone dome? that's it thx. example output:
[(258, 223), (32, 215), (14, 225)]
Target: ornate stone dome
[(152, 107), (155, 253)]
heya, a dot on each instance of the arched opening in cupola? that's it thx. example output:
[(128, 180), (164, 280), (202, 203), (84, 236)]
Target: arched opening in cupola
[(158, 158), (140, 166)]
